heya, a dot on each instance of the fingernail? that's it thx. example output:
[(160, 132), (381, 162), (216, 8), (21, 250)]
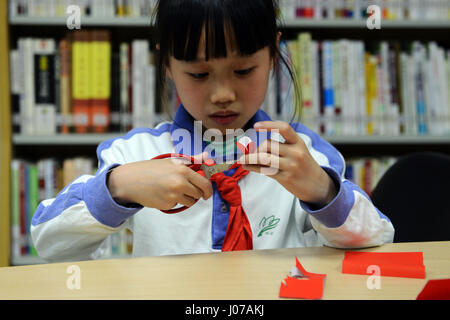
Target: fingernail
[(258, 125)]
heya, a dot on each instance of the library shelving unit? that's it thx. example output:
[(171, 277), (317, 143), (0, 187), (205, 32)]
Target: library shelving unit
[(17, 145)]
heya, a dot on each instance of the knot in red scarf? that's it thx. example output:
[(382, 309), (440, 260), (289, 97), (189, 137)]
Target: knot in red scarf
[(239, 233)]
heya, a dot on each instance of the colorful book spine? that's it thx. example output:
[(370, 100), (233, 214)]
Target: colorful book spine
[(328, 92), (372, 93), (305, 73), (100, 45), (33, 182), (419, 58), (65, 49), (44, 78), (33, 200), (15, 209), (81, 80)]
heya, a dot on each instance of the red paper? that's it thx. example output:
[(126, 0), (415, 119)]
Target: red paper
[(435, 290), (391, 264), (308, 286)]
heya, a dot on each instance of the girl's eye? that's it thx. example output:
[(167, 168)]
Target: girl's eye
[(244, 71), (198, 75)]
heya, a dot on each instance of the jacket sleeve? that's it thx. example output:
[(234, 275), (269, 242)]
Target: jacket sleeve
[(73, 225), (350, 220)]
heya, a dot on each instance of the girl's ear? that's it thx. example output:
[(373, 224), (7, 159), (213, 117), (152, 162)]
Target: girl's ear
[(167, 70), (168, 73)]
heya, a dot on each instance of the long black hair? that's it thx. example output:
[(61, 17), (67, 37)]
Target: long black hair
[(251, 24)]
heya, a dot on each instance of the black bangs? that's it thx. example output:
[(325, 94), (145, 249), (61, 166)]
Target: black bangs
[(242, 25)]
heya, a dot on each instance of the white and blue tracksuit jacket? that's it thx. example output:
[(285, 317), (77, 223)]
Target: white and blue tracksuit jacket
[(73, 225)]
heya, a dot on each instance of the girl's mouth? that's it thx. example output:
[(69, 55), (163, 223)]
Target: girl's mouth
[(224, 119)]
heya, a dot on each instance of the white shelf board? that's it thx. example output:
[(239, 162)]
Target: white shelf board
[(64, 139), (85, 21), (305, 23), (95, 139), (361, 23), (388, 140)]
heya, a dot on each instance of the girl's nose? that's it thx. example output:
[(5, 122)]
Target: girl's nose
[(223, 95)]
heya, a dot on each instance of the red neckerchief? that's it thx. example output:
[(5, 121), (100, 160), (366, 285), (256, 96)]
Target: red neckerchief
[(239, 233)]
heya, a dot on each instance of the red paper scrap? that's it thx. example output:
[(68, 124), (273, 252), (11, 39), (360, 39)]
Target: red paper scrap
[(303, 285), (438, 289), (391, 264)]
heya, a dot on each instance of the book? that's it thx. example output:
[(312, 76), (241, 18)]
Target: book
[(347, 87), (15, 209), (100, 50), (143, 85), (125, 71), (81, 80), (305, 9), (65, 108), (16, 80), (27, 106), (34, 182), (305, 66), (33, 198), (44, 78), (419, 60), (328, 89)]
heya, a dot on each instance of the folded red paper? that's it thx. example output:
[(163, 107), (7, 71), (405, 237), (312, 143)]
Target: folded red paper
[(438, 289), (302, 284), (391, 264)]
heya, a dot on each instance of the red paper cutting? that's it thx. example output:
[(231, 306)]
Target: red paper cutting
[(309, 286), (391, 264), (435, 290)]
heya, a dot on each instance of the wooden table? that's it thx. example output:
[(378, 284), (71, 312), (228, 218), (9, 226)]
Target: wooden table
[(231, 275)]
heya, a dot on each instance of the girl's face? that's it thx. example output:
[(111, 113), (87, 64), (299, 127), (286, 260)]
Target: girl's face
[(223, 93)]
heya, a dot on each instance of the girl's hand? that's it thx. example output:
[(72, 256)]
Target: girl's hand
[(291, 165), (159, 184)]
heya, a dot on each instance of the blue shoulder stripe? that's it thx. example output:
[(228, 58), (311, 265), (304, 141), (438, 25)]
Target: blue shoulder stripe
[(334, 158), (61, 203), (152, 131)]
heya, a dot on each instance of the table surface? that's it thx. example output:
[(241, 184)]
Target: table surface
[(238, 275)]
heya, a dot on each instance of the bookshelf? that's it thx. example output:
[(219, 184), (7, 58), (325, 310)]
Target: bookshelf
[(297, 23), (68, 145), (95, 139)]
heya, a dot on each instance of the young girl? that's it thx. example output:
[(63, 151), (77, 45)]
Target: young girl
[(219, 54)]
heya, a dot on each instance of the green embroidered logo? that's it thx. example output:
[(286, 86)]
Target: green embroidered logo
[(266, 224)]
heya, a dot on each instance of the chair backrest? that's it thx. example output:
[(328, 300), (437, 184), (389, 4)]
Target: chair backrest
[(414, 194)]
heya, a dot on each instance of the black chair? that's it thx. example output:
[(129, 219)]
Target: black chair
[(415, 195)]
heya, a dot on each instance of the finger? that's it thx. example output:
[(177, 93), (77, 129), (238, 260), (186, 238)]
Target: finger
[(261, 159), (201, 157), (274, 147), (193, 191), (268, 171), (187, 201), (281, 127), (277, 165), (202, 184)]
